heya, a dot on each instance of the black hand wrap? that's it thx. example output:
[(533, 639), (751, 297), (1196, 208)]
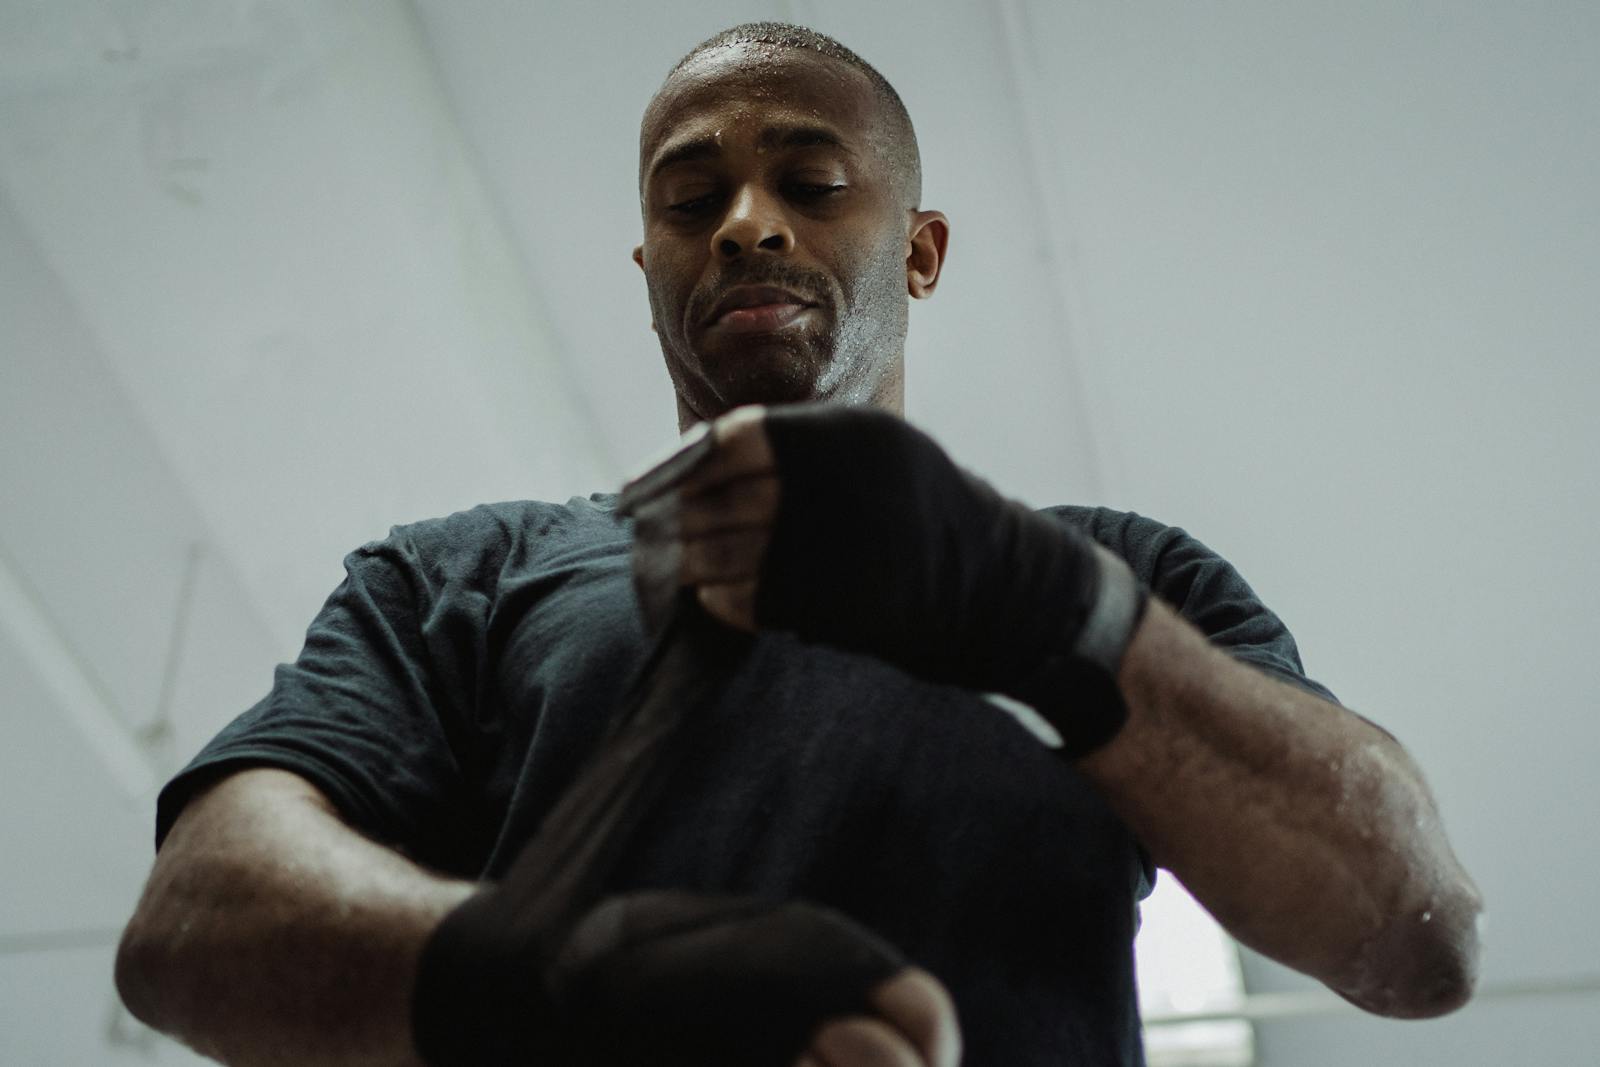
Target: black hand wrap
[(649, 979), (670, 979), (537, 970), (883, 545)]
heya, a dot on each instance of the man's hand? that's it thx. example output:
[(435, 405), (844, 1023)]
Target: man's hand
[(915, 1026), (272, 932), (673, 978), (849, 527), (707, 514)]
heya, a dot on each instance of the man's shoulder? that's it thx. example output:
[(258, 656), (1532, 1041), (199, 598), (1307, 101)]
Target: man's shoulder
[(509, 516), (496, 528), (1140, 540)]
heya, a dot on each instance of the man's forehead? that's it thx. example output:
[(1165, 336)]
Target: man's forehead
[(770, 84)]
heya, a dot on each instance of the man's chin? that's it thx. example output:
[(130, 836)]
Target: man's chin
[(770, 389), (765, 376)]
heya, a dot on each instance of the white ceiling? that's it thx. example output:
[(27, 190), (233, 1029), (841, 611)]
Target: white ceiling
[(1315, 281)]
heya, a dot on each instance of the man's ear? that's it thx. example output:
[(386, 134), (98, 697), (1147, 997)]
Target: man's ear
[(925, 248), (638, 257)]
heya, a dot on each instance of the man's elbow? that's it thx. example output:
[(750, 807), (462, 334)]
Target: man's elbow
[(151, 973), (1426, 964), (135, 972)]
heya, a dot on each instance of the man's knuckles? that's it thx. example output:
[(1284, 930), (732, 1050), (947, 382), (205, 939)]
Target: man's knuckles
[(751, 501), (730, 556), (733, 603), (740, 451), (707, 976), (741, 428), (918, 1004), (862, 1041)]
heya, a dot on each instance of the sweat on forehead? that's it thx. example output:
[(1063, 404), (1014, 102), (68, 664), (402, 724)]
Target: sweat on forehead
[(761, 62)]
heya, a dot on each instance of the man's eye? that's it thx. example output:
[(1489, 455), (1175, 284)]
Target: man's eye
[(693, 207), (805, 191)]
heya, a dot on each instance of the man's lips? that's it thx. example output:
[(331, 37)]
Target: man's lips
[(759, 318), (747, 308)]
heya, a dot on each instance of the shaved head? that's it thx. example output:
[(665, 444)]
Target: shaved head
[(896, 139)]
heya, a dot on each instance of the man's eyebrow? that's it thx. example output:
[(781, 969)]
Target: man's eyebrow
[(802, 136)]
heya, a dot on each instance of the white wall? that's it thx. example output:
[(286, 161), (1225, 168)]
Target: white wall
[(1339, 267)]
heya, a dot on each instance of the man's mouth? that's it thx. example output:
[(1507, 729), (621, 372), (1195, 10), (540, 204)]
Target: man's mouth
[(759, 318), (757, 309)]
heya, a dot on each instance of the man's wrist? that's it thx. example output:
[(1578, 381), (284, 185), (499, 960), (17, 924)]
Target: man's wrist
[(1096, 607), (479, 995), (1119, 606)]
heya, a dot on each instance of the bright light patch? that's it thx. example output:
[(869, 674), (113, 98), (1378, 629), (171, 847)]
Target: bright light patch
[(1187, 964)]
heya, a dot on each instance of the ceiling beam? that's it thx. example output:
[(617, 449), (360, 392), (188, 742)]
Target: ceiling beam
[(75, 689), (1045, 175)]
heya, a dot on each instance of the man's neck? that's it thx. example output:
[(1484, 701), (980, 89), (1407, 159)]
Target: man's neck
[(889, 396)]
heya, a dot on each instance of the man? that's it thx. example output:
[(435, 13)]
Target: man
[(316, 898)]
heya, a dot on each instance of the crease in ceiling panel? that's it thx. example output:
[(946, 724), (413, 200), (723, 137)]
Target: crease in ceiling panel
[(269, 225), (73, 688), (1027, 87), (511, 285), (99, 544)]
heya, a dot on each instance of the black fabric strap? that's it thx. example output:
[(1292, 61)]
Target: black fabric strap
[(884, 546), (538, 969), (676, 979), (479, 996)]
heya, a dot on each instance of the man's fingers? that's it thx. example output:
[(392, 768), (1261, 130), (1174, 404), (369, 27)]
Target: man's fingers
[(729, 506), (717, 559), (922, 1009), (704, 515), (916, 1027), (733, 603), (741, 430), (664, 476), (740, 451), (860, 1041), (729, 449)]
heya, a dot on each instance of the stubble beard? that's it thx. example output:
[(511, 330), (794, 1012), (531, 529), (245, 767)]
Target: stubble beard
[(845, 360)]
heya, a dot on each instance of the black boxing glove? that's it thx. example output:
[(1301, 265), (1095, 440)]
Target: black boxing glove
[(649, 979), (883, 545)]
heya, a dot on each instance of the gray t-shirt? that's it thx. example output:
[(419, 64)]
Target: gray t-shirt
[(453, 682)]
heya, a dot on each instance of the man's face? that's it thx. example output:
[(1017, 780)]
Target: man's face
[(766, 183)]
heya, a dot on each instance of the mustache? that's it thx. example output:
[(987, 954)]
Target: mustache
[(809, 285)]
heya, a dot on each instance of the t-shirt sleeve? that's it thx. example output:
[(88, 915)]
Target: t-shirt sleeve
[(1202, 587), (365, 713), (1207, 591)]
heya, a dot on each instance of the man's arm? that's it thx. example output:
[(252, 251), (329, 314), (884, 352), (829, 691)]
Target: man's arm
[(270, 932), (1308, 832)]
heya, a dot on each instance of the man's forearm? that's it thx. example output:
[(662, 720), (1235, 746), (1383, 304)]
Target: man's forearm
[(1305, 830), (272, 933)]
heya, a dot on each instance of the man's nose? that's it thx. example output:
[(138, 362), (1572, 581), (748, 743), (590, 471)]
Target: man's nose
[(753, 222)]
